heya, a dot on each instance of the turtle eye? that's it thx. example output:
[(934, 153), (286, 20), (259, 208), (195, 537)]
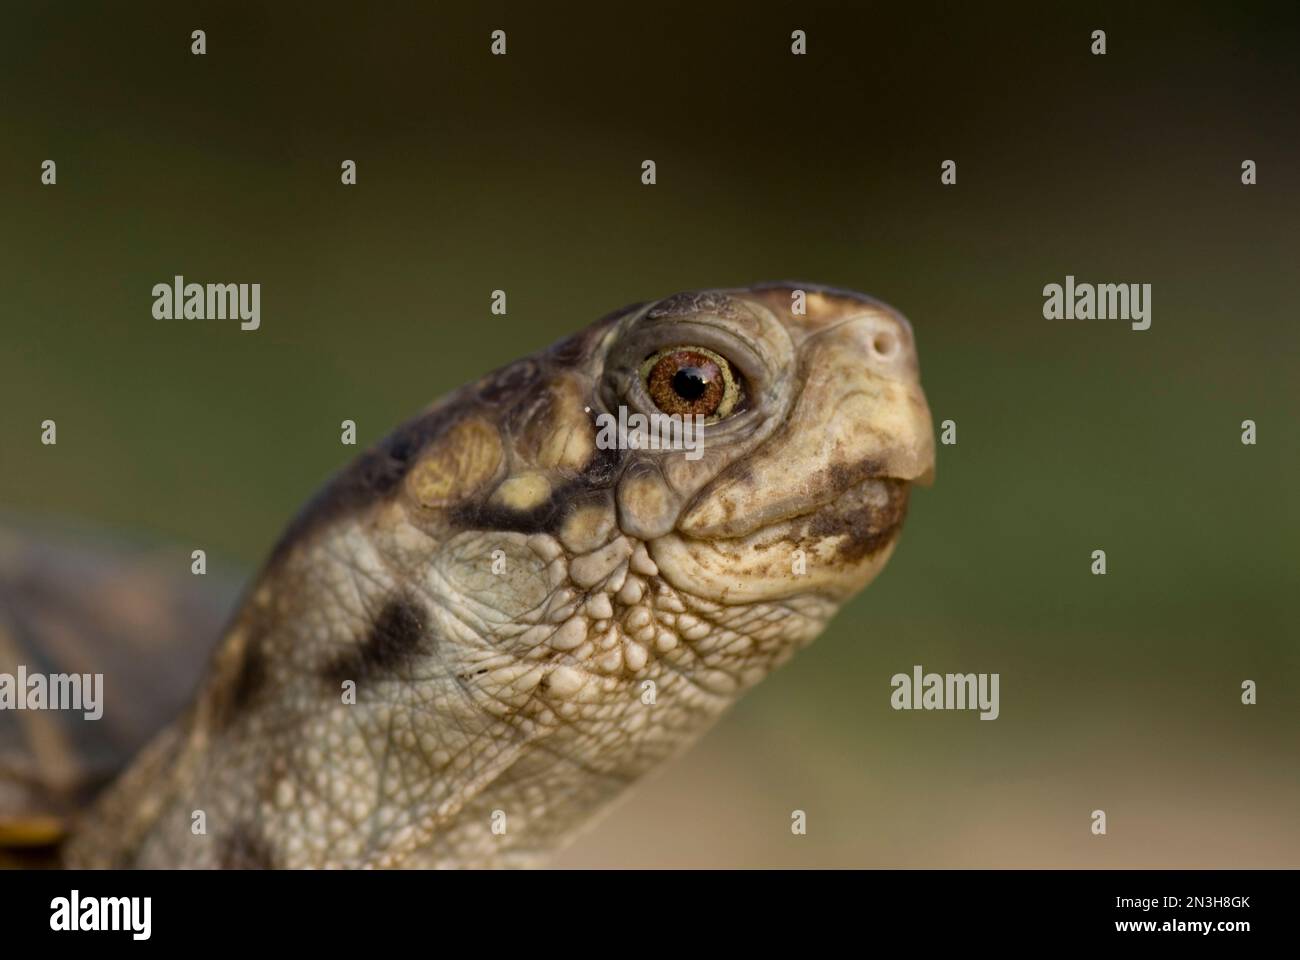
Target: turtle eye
[(689, 380)]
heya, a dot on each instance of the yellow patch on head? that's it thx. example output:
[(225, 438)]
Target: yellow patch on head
[(569, 446), (559, 433), (820, 305), (459, 462), (524, 492)]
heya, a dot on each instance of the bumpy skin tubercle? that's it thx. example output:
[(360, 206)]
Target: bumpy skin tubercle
[(530, 621)]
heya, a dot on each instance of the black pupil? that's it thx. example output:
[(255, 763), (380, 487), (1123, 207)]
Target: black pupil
[(689, 383)]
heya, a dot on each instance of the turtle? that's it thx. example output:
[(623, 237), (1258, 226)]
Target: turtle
[(484, 629)]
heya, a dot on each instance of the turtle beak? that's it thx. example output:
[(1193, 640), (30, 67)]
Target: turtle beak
[(860, 415)]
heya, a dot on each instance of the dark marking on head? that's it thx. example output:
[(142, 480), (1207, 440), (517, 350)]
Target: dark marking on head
[(602, 470), (600, 475), (395, 637), (864, 525), (244, 848), (843, 476), (485, 515)]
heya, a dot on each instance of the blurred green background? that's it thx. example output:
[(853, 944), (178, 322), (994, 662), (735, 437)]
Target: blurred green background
[(522, 173)]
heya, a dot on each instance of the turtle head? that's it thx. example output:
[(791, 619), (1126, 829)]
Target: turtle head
[(809, 427)]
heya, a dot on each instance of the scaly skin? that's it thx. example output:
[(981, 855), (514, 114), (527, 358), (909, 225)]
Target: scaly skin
[(532, 623)]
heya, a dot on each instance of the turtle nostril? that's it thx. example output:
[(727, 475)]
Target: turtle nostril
[(884, 345)]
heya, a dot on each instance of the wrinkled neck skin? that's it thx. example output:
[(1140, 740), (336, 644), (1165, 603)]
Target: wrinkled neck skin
[(489, 625), (480, 751)]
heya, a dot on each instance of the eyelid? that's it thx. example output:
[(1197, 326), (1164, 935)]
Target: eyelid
[(744, 359)]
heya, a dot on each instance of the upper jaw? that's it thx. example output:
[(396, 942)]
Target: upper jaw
[(830, 551), (800, 471), (833, 500)]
